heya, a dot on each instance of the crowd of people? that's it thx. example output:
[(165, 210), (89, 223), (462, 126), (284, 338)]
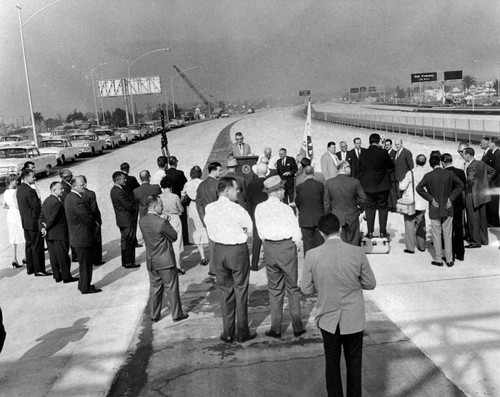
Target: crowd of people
[(286, 206)]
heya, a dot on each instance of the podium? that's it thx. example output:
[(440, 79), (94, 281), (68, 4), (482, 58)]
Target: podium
[(245, 166)]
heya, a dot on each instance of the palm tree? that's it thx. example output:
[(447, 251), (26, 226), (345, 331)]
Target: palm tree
[(468, 81), (39, 119)]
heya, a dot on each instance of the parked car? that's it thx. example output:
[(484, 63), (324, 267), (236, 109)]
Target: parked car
[(12, 159), (125, 135), (138, 130), (109, 137), (59, 147), (188, 116), (250, 111), (224, 115), (11, 140), (175, 123), (89, 143)]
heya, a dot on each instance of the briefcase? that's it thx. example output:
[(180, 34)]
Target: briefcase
[(405, 206), (375, 245)]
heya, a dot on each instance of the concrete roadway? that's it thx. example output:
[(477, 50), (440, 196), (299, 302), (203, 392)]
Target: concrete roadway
[(63, 343)]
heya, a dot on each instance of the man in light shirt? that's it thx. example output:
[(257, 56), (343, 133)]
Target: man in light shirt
[(339, 272), (329, 161), (228, 225), (281, 235)]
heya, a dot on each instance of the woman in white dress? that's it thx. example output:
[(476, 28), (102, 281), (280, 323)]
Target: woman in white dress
[(14, 226), (200, 237), (172, 207)]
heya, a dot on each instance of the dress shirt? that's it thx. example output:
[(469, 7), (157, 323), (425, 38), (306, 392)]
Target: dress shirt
[(157, 176), (334, 158), (276, 221), (227, 222), (409, 193)]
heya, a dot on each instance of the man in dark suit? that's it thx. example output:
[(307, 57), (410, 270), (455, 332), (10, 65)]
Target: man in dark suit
[(491, 157), (287, 168), (90, 198), (232, 165), (375, 166), (394, 192), (179, 180), (144, 191), (440, 188), (30, 208), (131, 184), (345, 198), (343, 153), (309, 202), (457, 238), (207, 193), (82, 226), (54, 228), (403, 160), (239, 148), (66, 176), (478, 174), (255, 196), (354, 156), (125, 213), (158, 236)]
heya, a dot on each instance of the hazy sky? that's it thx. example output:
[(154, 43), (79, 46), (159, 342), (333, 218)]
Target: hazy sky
[(244, 49)]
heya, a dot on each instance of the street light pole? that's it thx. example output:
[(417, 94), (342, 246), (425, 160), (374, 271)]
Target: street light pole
[(172, 84), (93, 90)]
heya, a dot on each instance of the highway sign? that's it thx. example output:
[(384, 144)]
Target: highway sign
[(423, 77), (305, 93)]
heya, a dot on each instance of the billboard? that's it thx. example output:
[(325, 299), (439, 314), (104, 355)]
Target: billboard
[(134, 86), (453, 75), (305, 93), (372, 89), (362, 90), (423, 77), (354, 90)]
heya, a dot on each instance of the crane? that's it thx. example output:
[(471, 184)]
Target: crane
[(194, 88)]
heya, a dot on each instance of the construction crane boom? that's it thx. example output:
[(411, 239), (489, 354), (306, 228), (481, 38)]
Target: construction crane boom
[(193, 87)]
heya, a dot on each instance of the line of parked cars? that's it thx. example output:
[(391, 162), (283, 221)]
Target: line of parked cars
[(61, 146)]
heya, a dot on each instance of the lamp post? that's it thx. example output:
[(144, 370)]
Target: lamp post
[(21, 25), (129, 64), (172, 85), (93, 90)]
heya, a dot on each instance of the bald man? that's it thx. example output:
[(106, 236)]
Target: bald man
[(144, 191)]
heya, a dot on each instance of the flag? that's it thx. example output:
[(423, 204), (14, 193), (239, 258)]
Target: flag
[(306, 148)]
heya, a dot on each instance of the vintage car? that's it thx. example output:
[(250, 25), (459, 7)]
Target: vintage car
[(125, 135), (109, 137), (88, 143), (59, 147), (139, 131), (12, 140), (12, 159)]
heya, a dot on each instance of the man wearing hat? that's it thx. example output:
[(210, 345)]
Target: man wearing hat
[(280, 232), (232, 164)]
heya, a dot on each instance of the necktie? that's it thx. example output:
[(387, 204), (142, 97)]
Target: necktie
[(357, 153), (241, 148)]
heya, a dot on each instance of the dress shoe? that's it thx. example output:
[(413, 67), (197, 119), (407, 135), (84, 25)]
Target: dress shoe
[(16, 265), (254, 268), (473, 245), (183, 317), (385, 235), (71, 280), (273, 334), (227, 339), (131, 266), (30, 273), (99, 264), (251, 335), (58, 280), (24, 261), (211, 274), (155, 320), (369, 235), (42, 274), (138, 245), (92, 291), (297, 334), (181, 271), (421, 250), (204, 262), (450, 264), (436, 263), (409, 252), (461, 259)]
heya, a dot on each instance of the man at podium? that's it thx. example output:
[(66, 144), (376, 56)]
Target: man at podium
[(239, 148)]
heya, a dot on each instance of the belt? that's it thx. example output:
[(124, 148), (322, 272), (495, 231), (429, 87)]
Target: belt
[(278, 241), (231, 245)]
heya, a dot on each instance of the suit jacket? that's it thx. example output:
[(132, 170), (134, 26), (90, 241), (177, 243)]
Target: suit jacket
[(90, 198), (309, 201), (142, 193), (329, 165), (439, 185), (375, 166), (131, 183), (392, 155), (158, 235), (344, 197), (124, 206), (495, 163), (479, 175), (290, 166), (339, 272), (53, 218), (339, 155), (354, 162), (255, 195), (178, 178), (66, 188), (81, 221), (242, 184), (488, 157), (459, 202), (234, 150), (29, 206), (206, 193), (403, 163), (318, 176)]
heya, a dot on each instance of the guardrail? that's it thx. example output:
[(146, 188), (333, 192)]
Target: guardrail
[(450, 129)]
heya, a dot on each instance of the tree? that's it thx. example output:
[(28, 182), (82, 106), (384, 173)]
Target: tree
[(468, 81), (495, 86), (37, 116), (119, 118), (76, 115)]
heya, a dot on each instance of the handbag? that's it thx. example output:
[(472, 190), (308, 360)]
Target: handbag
[(406, 206)]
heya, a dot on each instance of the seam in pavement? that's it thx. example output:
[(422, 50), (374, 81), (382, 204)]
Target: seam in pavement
[(439, 280)]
